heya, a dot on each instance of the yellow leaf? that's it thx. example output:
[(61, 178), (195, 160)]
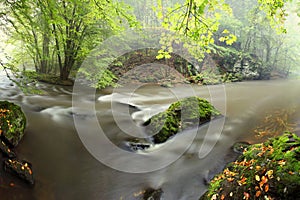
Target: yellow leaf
[(257, 178), (230, 179), (270, 174), (222, 39), (222, 197), (225, 31)]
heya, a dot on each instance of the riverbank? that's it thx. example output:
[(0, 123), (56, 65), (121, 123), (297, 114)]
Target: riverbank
[(268, 170)]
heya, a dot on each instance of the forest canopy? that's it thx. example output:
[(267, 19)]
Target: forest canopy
[(56, 36)]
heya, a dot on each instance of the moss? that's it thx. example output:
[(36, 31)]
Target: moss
[(47, 78), (12, 122), (180, 115), (269, 170)]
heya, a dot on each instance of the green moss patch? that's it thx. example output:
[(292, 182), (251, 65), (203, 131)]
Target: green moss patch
[(269, 170), (12, 122), (180, 115), (47, 78)]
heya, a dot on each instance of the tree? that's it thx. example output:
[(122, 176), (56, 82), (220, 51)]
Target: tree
[(199, 20), (59, 34)]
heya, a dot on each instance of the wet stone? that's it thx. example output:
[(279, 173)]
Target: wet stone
[(21, 169), (138, 146), (6, 150), (152, 194), (240, 147)]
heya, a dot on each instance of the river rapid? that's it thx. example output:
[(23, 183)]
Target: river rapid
[(65, 169)]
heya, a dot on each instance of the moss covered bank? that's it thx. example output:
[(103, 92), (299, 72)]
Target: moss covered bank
[(12, 122), (12, 127), (266, 171)]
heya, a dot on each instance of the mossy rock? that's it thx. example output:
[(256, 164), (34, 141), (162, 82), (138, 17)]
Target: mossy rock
[(270, 170), (12, 122), (180, 115)]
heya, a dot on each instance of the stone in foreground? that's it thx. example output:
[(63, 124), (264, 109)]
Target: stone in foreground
[(22, 169), (6, 150)]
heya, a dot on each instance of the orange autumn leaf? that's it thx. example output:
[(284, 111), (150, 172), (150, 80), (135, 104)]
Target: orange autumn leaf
[(263, 181), (246, 195), (222, 197), (258, 193), (267, 188), (230, 179), (242, 181)]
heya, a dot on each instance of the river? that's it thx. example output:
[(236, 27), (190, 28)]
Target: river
[(65, 168)]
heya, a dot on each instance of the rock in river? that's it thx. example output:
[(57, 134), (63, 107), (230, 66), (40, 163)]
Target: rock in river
[(188, 112), (6, 150), (22, 169), (152, 194), (12, 126)]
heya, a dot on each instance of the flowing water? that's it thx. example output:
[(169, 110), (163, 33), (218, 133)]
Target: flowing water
[(64, 169)]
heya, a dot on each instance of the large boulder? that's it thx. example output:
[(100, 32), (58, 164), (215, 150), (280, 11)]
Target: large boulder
[(12, 122), (188, 112), (269, 170)]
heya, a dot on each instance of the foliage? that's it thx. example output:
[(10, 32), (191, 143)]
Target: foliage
[(179, 116), (206, 78), (197, 20), (269, 170), (260, 48), (211, 78), (59, 34), (12, 122)]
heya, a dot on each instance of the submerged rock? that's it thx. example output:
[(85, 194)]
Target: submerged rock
[(152, 194), (240, 147), (269, 170), (22, 169), (188, 112), (135, 146), (12, 122), (6, 150)]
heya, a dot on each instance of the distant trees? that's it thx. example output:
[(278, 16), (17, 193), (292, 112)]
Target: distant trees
[(59, 34), (254, 24), (268, 43)]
